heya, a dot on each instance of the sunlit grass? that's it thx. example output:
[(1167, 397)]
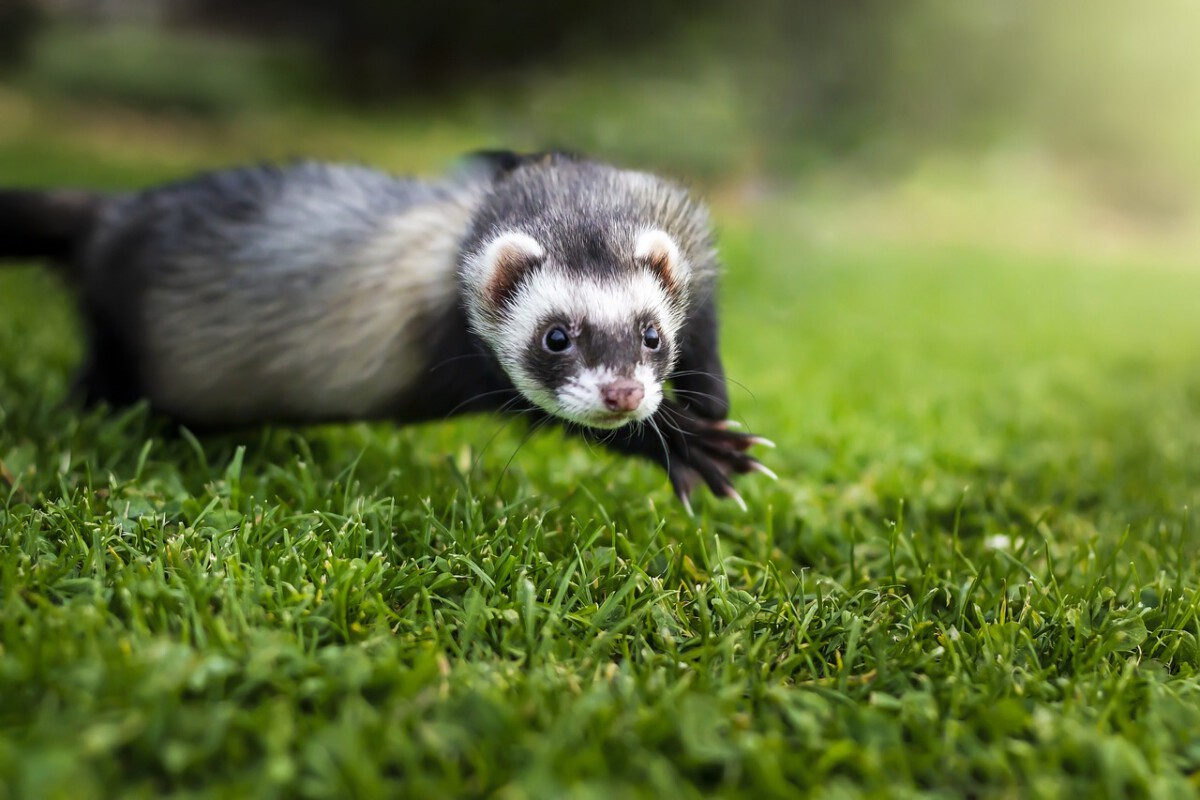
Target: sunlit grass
[(975, 576)]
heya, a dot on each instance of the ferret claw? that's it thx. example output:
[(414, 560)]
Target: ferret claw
[(758, 466), (709, 451), (687, 506)]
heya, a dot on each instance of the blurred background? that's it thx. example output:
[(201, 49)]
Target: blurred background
[(1044, 126), (961, 238)]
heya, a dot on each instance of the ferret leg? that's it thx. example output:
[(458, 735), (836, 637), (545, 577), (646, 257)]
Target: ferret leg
[(109, 371)]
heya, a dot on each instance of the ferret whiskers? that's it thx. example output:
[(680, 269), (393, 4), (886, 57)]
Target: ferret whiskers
[(716, 378)]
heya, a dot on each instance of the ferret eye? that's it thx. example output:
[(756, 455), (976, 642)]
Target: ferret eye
[(557, 340), (650, 337)]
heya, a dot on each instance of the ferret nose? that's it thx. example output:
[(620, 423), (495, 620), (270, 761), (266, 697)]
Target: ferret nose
[(623, 394)]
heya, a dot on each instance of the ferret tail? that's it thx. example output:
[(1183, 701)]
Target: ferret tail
[(47, 225)]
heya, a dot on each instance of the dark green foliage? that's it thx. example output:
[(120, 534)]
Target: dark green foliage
[(20, 21), (143, 68), (380, 50)]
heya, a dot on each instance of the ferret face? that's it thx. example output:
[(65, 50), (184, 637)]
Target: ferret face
[(590, 346)]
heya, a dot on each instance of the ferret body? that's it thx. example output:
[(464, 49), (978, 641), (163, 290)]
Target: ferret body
[(544, 285)]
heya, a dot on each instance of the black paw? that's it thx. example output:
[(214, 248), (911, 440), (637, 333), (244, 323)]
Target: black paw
[(700, 450)]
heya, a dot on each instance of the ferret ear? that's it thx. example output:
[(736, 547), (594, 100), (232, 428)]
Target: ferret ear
[(657, 251), (505, 262)]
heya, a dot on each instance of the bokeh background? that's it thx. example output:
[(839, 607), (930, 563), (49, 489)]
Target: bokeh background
[(949, 229), (946, 226), (1041, 125), (907, 194)]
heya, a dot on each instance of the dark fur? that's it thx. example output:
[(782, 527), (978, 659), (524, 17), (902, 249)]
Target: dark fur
[(50, 225)]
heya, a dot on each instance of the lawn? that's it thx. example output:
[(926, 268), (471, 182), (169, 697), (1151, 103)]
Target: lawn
[(974, 577)]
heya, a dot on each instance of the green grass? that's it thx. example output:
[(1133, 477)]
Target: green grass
[(974, 578)]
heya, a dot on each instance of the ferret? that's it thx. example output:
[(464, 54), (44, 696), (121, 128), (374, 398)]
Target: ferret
[(548, 285)]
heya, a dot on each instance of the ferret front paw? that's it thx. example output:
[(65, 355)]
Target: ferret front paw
[(707, 451)]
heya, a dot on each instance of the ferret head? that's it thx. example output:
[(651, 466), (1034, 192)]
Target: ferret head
[(578, 277), (591, 343)]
